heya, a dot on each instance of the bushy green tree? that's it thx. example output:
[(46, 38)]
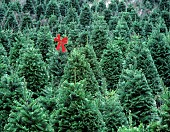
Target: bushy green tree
[(121, 6), (44, 41), (40, 10), (165, 15), (28, 115), (52, 9), (11, 22), (111, 63), (85, 16), (2, 12), (112, 112), (75, 111), (147, 29), (99, 36), (28, 7), (26, 22), (4, 40), (83, 38), (63, 9), (113, 23), (107, 15), (101, 7), (160, 51), (136, 96), (113, 7), (32, 67), (71, 16), (10, 90), (77, 69), (74, 4), (140, 57)]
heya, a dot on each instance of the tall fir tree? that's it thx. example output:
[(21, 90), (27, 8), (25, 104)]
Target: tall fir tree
[(71, 16), (136, 97), (74, 4), (85, 16), (52, 9), (160, 51), (113, 7), (99, 36), (28, 115), (111, 63), (28, 7), (121, 6), (75, 111), (5, 41), (107, 15), (26, 22), (101, 7), (32, 67), (77, 69)]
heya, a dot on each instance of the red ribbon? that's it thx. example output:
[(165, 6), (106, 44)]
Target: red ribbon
[(61, 42)]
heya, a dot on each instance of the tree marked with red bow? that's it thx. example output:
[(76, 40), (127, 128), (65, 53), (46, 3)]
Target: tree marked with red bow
[(61, 42)]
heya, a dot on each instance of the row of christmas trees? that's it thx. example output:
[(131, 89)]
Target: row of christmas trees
[(109, 78)]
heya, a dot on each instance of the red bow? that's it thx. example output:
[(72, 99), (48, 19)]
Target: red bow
[(61, 43)]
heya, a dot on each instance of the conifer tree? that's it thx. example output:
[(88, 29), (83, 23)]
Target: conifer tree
[(10, 90), (29, 7), (75, 111), (160, 51), (44, 41), (107, 15), (136, 96), (113, 23), (127, 17), (4, 40), (165, 15), (113, 7), (63, 9), (147, 29), (72, 16), (137, 27), (90, 57), (112, 112), (15, 6), (2, 12), (101, 7), (11, 22), (40, 10), (99, 37), (77, 69), (121, 6), (32, 67), (111, 63), (26, 22), (56, 62), (140, 57), (3, 61), (74, 4), (83, 38), (28, 115), (85, 16), (52, 9)]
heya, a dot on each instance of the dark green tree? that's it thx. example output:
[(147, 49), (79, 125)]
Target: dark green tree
[(99, 36), (26, 22), (147, 29), (77, 69), (140, 57), (111, 63), (63, 9), (83, 38), (28, 7), (28, 115), (52, 9), (107, 15), (137, 27), (101, 7), (4, 40), (74, 4), (40, 10), (112, 112), (136, 97), (2, 13), (85, 16), (113, 7), (71, 16), (75, 111), (32, 67), (165, 15), (44, 41), (11, 22), (113, 23), (121, 6), (164, 5), (160, 51)]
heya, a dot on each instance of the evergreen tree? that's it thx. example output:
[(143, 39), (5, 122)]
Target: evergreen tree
[(32, 67), (101, 7), (4, 40), (90, 57), (154, 17), (121, 6), (28, 115), (56, 62), (28, 7), (137, 27), (160, 51), (2, 13), (44, 41), (74, 4), (136, 96), (26, 22), (11, 22), (83, 38), (107, 15), (71, 16), (127, 17), (52, 9), (77, 69), (99, 37), (85, 16), (140, 57), (164, 5), (10, 90), (113, 23), (113, 114), (75, 112), (147, 29), (63, 9), (165, 15), (3, 61), (40, 10), (113, 7), (111, 63), (15, 6)]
